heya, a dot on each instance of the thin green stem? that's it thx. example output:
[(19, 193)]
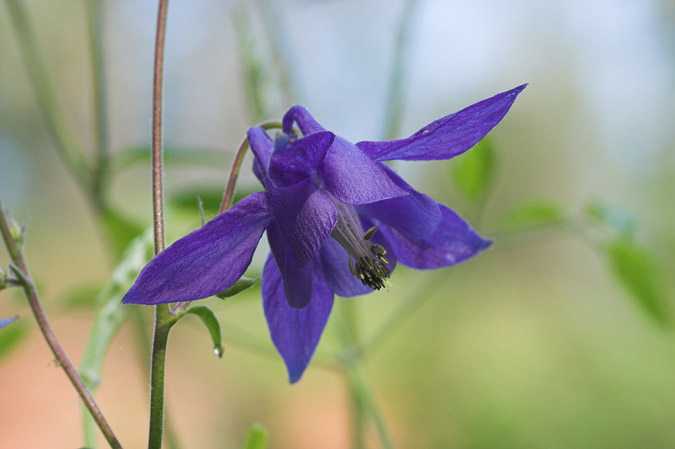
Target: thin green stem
[(62, 135), (94, 10), (396, 94), (364, 404), (403, 312), (163, 319), (22, 273)]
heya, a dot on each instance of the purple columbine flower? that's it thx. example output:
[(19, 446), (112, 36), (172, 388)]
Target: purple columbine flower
[(337, 220)]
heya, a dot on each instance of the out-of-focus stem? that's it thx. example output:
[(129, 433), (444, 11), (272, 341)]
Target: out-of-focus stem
[(36, 306), (396, 94), (94, 10), (39, 76)]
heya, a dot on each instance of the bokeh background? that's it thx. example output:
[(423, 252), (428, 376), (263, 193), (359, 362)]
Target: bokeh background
[(537, 343)]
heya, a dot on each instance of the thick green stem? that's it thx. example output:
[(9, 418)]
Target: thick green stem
[(163, 324)]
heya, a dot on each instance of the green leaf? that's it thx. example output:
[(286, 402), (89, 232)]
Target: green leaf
[(186, 200), (212, 324), (242, 284), (120, 230), (81, 296), (172, 156), (256, 438), (110, 316), (637, 271), (472, 171), (534, 215), (11, 336), (621, 222)]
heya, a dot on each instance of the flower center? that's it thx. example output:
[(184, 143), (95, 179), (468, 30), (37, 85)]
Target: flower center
[(367, 260)]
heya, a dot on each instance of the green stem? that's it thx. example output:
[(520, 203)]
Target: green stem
[(31, 293), (163, 324), (144, 354), (95, 25), (163, 321), (38, 74), (396, 94), (364, 404), (408, 307)]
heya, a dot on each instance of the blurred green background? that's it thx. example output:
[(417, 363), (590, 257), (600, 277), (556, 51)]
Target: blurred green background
[(544, 341)]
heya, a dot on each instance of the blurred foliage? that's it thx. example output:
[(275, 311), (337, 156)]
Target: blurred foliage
[(535, 214), (472, 171), (256, 438), (11, 336), (638, 273)]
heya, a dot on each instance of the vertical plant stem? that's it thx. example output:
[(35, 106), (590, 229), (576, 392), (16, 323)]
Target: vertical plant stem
[(363, 400), (94, 10), (39, 77), (162, 316), (36, 306), (396, 94)]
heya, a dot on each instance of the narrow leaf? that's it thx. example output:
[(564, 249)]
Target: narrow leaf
[(636, 269), (212, 324), (472, 171), (619, 221), (242, 284), (81, 296), (12, 336), (186, 200), (256, 438), (120, 230), (534, 215), (109, 317), (172, 155)]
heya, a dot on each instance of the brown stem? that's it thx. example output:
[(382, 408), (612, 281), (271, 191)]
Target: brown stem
[(157, 85), (21, 271)]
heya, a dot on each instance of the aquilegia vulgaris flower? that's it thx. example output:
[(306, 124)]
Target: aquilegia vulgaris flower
[(337, 220)]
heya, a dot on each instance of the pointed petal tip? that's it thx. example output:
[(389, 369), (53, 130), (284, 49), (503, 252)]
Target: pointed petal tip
[(295, 376)]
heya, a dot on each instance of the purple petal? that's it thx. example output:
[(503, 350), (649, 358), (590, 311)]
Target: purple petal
[(453, 242), (297, 160), (354, 178), (295, 332), (305, 121), (206, 261), (415, 215), (5, 321), (297, 281), (262, 145), (305, 216), (447, 137)]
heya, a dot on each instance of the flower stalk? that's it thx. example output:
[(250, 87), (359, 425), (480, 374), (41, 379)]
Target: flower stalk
[(163, 321), (22, 274)]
